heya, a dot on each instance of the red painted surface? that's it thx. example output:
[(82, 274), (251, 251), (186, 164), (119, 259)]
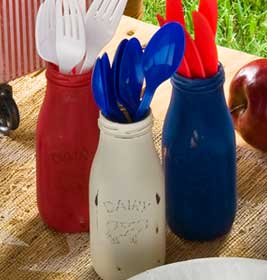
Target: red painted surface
[(67, 138)]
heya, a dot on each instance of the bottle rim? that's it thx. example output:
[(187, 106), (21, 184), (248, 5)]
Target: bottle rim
[(199, 86), (70, 81), (125, 130)]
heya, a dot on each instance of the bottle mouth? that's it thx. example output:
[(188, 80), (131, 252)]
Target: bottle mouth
[(199, 86), (125, 130), (76, 80)]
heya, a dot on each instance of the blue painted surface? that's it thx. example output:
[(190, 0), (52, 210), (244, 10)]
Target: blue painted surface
[(199, 158)]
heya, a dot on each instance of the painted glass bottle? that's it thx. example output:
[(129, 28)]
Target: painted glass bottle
[(127, 201), (198, 149), (66, 142)]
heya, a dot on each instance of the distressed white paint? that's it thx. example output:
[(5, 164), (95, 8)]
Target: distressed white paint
[(127, 201)]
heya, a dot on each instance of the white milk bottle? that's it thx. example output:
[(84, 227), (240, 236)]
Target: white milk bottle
[(127, 201)]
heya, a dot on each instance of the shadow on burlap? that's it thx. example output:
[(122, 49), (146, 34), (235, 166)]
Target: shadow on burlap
[(30, 251)]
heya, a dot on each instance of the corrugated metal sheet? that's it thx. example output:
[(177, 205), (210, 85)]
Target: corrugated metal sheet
[(17, 43)]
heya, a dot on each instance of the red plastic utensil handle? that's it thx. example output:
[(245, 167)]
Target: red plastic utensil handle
[(193, 58), (184, 67), (174, 11), (209, 9), (161, 19), (205, 42)]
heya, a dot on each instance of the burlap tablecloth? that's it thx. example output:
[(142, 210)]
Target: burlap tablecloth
[(29, 250)]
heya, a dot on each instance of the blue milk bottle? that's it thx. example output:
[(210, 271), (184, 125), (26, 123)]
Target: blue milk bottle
[(199, 158)]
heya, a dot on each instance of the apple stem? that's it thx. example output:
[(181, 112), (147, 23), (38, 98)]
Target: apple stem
[(238, 108)]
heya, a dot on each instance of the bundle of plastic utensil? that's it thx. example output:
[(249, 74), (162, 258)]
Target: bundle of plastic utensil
[(118, 89), (71, 37), (201, 57)]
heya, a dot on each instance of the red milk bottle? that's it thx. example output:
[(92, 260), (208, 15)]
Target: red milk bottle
[(66, 141)]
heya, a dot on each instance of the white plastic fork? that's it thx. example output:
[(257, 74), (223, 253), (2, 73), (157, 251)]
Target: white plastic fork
[(101, 23), (70, 35), (45, 32), (82, 4)]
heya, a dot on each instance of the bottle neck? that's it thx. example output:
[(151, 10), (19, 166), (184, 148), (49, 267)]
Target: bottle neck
[(70, 81), (199, 86), (125, 131)]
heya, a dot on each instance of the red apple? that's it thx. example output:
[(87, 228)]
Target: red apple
[(248, 103)]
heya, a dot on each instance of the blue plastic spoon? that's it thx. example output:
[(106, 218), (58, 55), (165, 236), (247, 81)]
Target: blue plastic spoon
[(116, 65), (98, 87), (161, 59), (113, 109), (131, 76), (116, 78)]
